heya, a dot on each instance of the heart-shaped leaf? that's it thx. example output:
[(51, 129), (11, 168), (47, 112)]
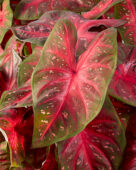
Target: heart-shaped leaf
[(127, 11), (38, 31), (99, 146), (100, 8), (68, 95), (123, 83), (31, 9), (5, 18)]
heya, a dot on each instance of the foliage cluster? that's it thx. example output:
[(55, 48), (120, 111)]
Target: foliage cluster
[(67, 84)]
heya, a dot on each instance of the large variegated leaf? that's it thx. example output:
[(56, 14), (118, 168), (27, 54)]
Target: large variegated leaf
[(5, 18), (68, 95), (100, 9), (99, 146), (127, 11), (38, 31), (31, 9), (22, 96), (123, 83)]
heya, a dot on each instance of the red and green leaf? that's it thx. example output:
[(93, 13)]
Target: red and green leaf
[(123, 52), (27, 66), (9, 62), (31, 9), (123, 110), (4, 156), (123, 83), (129, 159), (22, 96), (127, 11), (38, 31), (34, 158), (99, 146), (5, 18), (51, 162), (68, 95), (100, 8), (18, 130)]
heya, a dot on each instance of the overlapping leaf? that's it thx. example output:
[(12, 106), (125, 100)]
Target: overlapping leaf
[(38, 31), (4, 156), (99, 146), (9, 62), (123, 52), (34, 158), (17, 130), (22, 96), (5, 18), (68, 95), (123, 110), (100, 9), (129, 159), (51, 162), (123, 83), (31, 9), (127, 11)]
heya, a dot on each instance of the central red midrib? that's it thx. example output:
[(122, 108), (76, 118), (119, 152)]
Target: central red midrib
[(86, 53), (59, 110), (85, 150), (33, 33)]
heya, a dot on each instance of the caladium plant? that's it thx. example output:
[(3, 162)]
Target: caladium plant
[(67, 84)]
